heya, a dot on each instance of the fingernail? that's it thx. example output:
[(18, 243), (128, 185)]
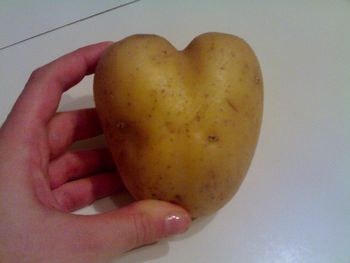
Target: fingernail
[(177, 223)]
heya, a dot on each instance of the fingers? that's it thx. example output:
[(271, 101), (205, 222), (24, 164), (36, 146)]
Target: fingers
[(66, 127), (140, 223), (42, 93), (74, 165), (80, 193)]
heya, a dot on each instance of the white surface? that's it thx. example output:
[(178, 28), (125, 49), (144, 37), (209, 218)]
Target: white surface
[(23, 19), (294, 206)]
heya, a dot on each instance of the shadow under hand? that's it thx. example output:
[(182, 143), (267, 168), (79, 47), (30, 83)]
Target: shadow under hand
[(69, 103), (120, 199), (145, 253), (196, 226)]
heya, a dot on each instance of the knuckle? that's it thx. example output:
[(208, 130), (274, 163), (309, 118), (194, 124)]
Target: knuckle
[(37, 74), (66, 201)]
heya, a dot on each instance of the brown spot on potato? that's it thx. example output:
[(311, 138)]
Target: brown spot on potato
[(178, 198), (120, 125), (232, 105), (213, 138)]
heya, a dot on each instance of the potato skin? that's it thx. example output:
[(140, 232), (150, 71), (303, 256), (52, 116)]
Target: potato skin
[(182, 126)]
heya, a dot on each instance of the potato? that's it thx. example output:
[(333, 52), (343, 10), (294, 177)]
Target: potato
[(182, 126)]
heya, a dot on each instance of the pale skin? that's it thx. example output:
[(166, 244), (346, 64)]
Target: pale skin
[(41, 181)]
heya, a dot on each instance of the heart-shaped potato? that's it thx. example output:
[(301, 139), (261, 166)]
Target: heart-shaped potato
[(182, 126)]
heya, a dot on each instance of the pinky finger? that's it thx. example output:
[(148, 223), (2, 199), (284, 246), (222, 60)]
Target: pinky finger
[(79, 193)]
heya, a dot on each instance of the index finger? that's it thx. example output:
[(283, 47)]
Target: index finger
[(42, 93)]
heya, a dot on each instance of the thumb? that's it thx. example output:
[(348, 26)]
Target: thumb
[(140, 223)]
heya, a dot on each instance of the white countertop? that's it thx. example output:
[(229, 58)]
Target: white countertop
[(294, 205)]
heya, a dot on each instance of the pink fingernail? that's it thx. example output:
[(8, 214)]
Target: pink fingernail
[(177, 223)]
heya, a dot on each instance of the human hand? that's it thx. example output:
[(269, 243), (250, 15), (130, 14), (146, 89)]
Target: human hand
[(40, 181)]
